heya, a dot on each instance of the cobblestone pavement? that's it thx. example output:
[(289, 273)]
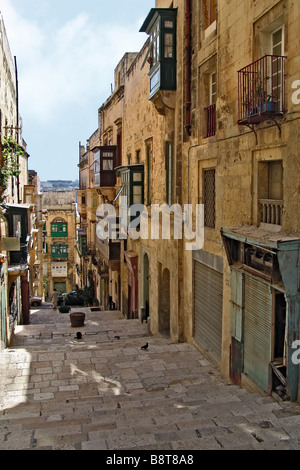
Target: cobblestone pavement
[(104, 392)]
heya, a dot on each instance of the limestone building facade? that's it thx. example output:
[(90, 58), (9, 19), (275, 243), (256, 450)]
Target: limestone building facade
[(208, 117), (59, 232), (20, 213)]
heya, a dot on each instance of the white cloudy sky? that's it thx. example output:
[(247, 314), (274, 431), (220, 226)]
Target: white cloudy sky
[(66, 53)]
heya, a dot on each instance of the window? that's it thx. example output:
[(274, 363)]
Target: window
[(169, 173), (213, 88), (209, 198), (211, 109), (277, 50), (132, 180), (210, 12), (148, 150), (82, 242), (94, 200), (155, 45), (16, 222), (270, 191), (168, 45), (137, 189), (59, 229)]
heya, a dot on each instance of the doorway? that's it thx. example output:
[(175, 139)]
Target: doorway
[(164, 303), (146, 286), (278, 364)]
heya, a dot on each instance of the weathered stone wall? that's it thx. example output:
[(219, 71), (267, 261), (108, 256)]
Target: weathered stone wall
[(233, 151), (9, 118)]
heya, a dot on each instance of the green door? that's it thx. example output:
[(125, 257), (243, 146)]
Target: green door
[(60, 287)]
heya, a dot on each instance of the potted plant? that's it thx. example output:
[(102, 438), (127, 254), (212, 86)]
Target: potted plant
[(263, 98), (64, 309), (10, 151)]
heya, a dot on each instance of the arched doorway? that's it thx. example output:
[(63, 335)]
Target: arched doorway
[(164, 303)]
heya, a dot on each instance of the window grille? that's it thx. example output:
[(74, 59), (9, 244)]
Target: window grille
[(209, 198)]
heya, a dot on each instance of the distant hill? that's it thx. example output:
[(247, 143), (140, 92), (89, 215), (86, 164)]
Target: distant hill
[(59, 185)]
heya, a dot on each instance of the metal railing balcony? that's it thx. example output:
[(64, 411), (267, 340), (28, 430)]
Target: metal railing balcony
[(261, 90), (210, 120)]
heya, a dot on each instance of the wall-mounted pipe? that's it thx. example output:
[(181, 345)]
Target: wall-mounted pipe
[(17, 125), (188, 67)]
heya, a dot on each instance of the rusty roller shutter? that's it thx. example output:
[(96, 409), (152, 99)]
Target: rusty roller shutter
[(257, 331), (208, 288)]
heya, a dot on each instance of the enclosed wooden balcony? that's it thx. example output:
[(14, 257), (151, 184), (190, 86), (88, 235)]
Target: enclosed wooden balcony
[(261, 90), (105, 162)]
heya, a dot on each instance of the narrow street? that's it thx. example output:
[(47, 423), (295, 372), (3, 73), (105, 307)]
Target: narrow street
[(103, 392)]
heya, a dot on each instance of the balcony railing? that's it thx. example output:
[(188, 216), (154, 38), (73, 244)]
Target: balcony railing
[(271, 211), (261, 89), (210, 120)]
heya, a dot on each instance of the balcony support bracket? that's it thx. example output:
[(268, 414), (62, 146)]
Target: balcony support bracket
[(252, 128), (278, 126)]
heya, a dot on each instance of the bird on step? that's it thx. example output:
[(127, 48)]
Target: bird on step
[(145, 346)]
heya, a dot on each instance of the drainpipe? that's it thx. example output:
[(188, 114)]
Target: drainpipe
[(17, 130), (188, 67)]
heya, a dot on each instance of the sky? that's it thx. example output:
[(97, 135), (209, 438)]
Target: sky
[(66, 52)]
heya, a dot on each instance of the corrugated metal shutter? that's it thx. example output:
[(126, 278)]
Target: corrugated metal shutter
[(257, 331), (208, 295)]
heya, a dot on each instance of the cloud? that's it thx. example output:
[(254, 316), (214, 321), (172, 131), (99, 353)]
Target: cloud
[(23, 34), (66, 65)]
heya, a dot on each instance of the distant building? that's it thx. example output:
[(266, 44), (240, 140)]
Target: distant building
[(59, 259)]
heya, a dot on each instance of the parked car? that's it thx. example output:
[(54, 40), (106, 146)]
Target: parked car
[(72, 298), (35, 301)]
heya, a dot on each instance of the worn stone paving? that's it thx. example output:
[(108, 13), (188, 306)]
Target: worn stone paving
[(104, 393)]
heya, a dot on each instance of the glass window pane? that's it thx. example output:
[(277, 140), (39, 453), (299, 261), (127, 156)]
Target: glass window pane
[(137, 177), (168, 39), (137, 195), (168, 51), (168, 24), (107, 164)]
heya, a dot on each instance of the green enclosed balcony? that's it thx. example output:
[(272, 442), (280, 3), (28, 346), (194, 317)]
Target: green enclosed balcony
[(82, 242), (59, 251), (59, 229), (160, 25)]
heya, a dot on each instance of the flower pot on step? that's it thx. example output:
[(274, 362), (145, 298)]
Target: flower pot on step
[(77, 319)]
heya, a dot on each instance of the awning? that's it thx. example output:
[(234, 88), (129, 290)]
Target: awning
[(259, 237)]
